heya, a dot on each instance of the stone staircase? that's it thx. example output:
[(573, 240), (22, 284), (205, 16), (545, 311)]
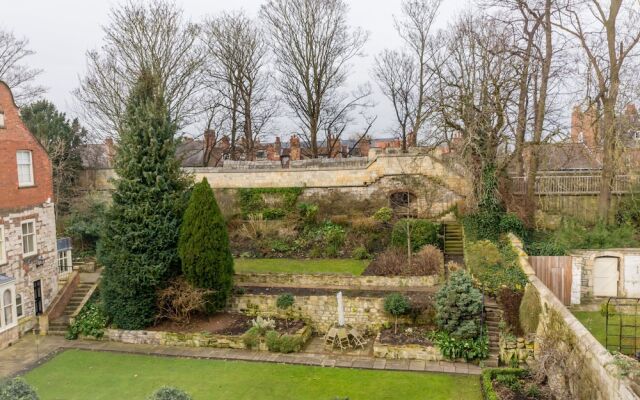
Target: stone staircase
[(60, 325), (493, 315), (453, 245)]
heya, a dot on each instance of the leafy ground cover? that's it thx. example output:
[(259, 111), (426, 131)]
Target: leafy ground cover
[(77, 374), (295, 266)]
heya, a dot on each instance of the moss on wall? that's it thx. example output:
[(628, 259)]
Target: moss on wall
[(530, 310)]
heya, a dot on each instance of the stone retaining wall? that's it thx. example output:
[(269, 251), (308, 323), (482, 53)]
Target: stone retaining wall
[(406, 351), (320, 280), (512, 348), (364, 313), (199, 339), (577, 365)]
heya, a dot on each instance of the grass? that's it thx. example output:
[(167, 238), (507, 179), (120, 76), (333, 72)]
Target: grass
[(595, 323), (77, 374), (293, 266)]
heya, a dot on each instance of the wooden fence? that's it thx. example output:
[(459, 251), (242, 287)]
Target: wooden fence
[(574, 184), (555, 273)]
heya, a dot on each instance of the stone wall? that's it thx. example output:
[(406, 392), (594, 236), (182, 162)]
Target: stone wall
[(437, 187), (320, 312), (406, 351), (577, 365), (582, 272), (320, 280), (198, 339)]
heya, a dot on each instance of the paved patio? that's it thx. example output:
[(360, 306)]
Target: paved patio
[(32, 351)]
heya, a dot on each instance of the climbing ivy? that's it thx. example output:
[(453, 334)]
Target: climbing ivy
[(252, 202)]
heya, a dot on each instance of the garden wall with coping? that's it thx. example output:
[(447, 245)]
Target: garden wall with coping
[(324, 280), (321, 311), (406, 351), (188, 339), (576, 364)]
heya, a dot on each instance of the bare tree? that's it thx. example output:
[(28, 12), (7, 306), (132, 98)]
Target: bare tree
[(15, 71), (237, 65), (313, 45), (397, 76), (607, 32), (154, 36), (473, 95), (415, 29)]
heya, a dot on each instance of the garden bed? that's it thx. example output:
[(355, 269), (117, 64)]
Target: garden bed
[(222, 330), (512, 384), (407, 347), (407, 335), (223, 324)]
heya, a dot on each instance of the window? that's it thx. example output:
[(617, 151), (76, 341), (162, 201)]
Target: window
[(19, 305), (3, 253), (29, 238), (25, 168), (64, 260), (7, 307), (2, 120)]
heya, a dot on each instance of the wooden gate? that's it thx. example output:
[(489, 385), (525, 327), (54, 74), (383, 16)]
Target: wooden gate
[(555, 273)]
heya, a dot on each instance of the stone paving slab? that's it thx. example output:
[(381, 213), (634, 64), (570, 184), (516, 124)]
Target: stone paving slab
[(31, 351)]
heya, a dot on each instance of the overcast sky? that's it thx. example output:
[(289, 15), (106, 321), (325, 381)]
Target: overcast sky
[(61, 31)]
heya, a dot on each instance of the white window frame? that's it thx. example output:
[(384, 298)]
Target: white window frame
[(35, 238), (11, 287), (3, 120), (64, 261), (31, 181), (3, 250), (19, 304)]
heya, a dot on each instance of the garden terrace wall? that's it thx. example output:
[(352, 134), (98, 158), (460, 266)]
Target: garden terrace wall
[(335, 280), (320, 312), (584, 368), (199, 339)]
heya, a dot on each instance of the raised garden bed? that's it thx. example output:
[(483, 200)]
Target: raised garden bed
[(223, 330), (223, 324), (512, 384), (409, 343), (406, 335)]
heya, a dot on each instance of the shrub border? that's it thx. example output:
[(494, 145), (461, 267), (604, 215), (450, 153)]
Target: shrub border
[(488, 392)]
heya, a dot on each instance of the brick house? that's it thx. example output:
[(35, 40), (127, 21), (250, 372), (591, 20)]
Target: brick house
[(28, 271)]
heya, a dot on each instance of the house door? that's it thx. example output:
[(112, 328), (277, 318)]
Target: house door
[(605, 277), (37, 296)]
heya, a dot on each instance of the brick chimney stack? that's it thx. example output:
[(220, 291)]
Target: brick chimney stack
[(583, 127), (364, 146), (111, 150), (294, 144), (209, 140), (225, 143), (632, 113)]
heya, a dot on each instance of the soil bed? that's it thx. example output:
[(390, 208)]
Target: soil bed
[(506, 393), (407, 335), (222, 324), (303, 291)]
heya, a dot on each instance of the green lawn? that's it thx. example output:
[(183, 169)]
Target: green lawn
[(292, 266), (596, 324), (77, 374)]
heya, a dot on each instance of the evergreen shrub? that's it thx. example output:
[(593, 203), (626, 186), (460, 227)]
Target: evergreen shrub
[(458, 307)]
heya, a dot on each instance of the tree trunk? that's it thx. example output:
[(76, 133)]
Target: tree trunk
[(608, 161)]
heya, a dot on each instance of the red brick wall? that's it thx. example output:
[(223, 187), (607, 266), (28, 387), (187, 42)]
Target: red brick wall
[(13, 137)]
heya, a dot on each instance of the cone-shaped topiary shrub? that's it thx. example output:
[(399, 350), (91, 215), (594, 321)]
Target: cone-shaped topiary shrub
[(204, 246)]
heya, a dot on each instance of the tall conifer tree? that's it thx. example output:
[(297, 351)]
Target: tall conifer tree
[(139, 243), (204, 246)]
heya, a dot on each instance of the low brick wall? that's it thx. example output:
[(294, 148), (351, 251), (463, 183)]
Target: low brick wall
[(406, 351), (364, 313), (581, 368), (200, 339), (350, 281)]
